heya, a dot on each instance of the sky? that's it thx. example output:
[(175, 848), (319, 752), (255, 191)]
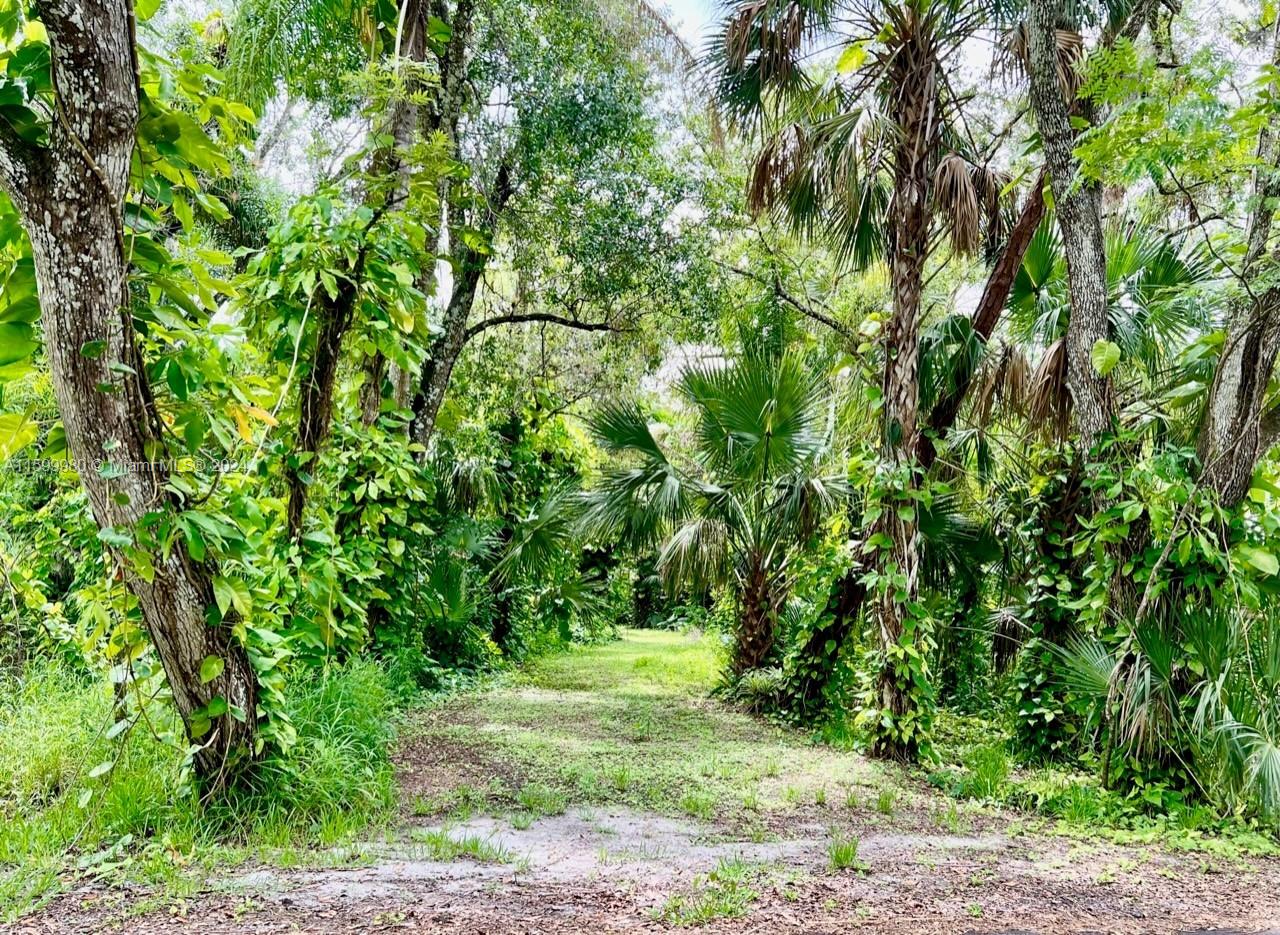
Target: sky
[(690, 18)]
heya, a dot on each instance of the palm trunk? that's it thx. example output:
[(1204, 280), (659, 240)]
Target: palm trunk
[(70, 194), (916, 116), (761, 601)]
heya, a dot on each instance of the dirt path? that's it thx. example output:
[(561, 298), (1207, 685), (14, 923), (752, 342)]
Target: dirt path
[(602, 791)]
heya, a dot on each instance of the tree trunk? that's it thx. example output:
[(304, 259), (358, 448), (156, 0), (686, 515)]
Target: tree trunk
[(987, 315), (1078, 205), (761, 601), (70, 195), (915, 116), (446, 349), (469, 267), (1232, 440), (315, 397), (818, 657), (315, 401)]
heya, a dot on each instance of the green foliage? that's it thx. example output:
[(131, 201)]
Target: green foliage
[(75, 783)]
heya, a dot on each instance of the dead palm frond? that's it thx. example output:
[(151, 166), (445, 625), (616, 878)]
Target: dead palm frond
[(956, 195), (1049, 401)]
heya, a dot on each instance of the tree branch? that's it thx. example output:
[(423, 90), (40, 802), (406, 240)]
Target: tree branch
[(516, 318), (802, 307)]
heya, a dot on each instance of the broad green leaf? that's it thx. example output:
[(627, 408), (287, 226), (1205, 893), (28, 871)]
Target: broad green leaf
[(852, 58), (211, 668), (1104, 356)]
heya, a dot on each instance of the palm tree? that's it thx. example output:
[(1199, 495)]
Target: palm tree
[(875, 161), (736, 509)]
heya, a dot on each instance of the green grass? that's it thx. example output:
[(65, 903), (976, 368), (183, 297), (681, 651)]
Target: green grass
[(75, 800), (842, 852), (631, 723), (727, 892), (440, 844)]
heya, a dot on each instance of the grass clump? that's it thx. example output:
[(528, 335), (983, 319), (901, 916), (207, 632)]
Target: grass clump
[(727, 892), (79, 794), (540, 799), (842, 852), (439, 844)]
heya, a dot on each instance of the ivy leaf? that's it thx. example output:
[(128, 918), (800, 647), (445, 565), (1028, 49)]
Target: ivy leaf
[(211, 668), (1261, 559), (1104, 356), (851, 58), (16, 433), (231, 592)]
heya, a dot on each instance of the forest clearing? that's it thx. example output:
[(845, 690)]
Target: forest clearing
[(552, 465), (603, 791)]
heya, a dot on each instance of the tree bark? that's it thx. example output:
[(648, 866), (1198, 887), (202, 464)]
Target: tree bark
[(1232, 438), (1078, 205), (469, 267), (71, 196), (762, 598)]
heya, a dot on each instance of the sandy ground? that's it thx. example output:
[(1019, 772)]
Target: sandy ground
[(620, 868)]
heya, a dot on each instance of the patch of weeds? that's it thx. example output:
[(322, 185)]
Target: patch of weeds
[(771, 768), (952, 820), (751, 800), (820, 797), (988, 773), (540, 799), (974, 910), (698, 804), (851, 800), (522, 821), (724, 893), (886, 801), (621, 777), (842, 852), (439, 844)]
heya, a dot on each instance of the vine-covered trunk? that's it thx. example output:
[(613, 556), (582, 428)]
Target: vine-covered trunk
[(70, 194), (1232, 440), (815, 663), (1078, 204), (916, 118)]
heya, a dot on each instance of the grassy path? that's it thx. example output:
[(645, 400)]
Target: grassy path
[(602, 790)]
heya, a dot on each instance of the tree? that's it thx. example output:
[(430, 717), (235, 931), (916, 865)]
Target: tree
[(1078, 205), (70, 179), (864, 161), (753, 490)]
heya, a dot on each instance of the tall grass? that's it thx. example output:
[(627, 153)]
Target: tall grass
[(73, 798)]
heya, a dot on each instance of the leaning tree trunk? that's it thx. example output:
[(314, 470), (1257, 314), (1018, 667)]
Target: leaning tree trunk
[(1078, 204), (70, 194), (987, 315)]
